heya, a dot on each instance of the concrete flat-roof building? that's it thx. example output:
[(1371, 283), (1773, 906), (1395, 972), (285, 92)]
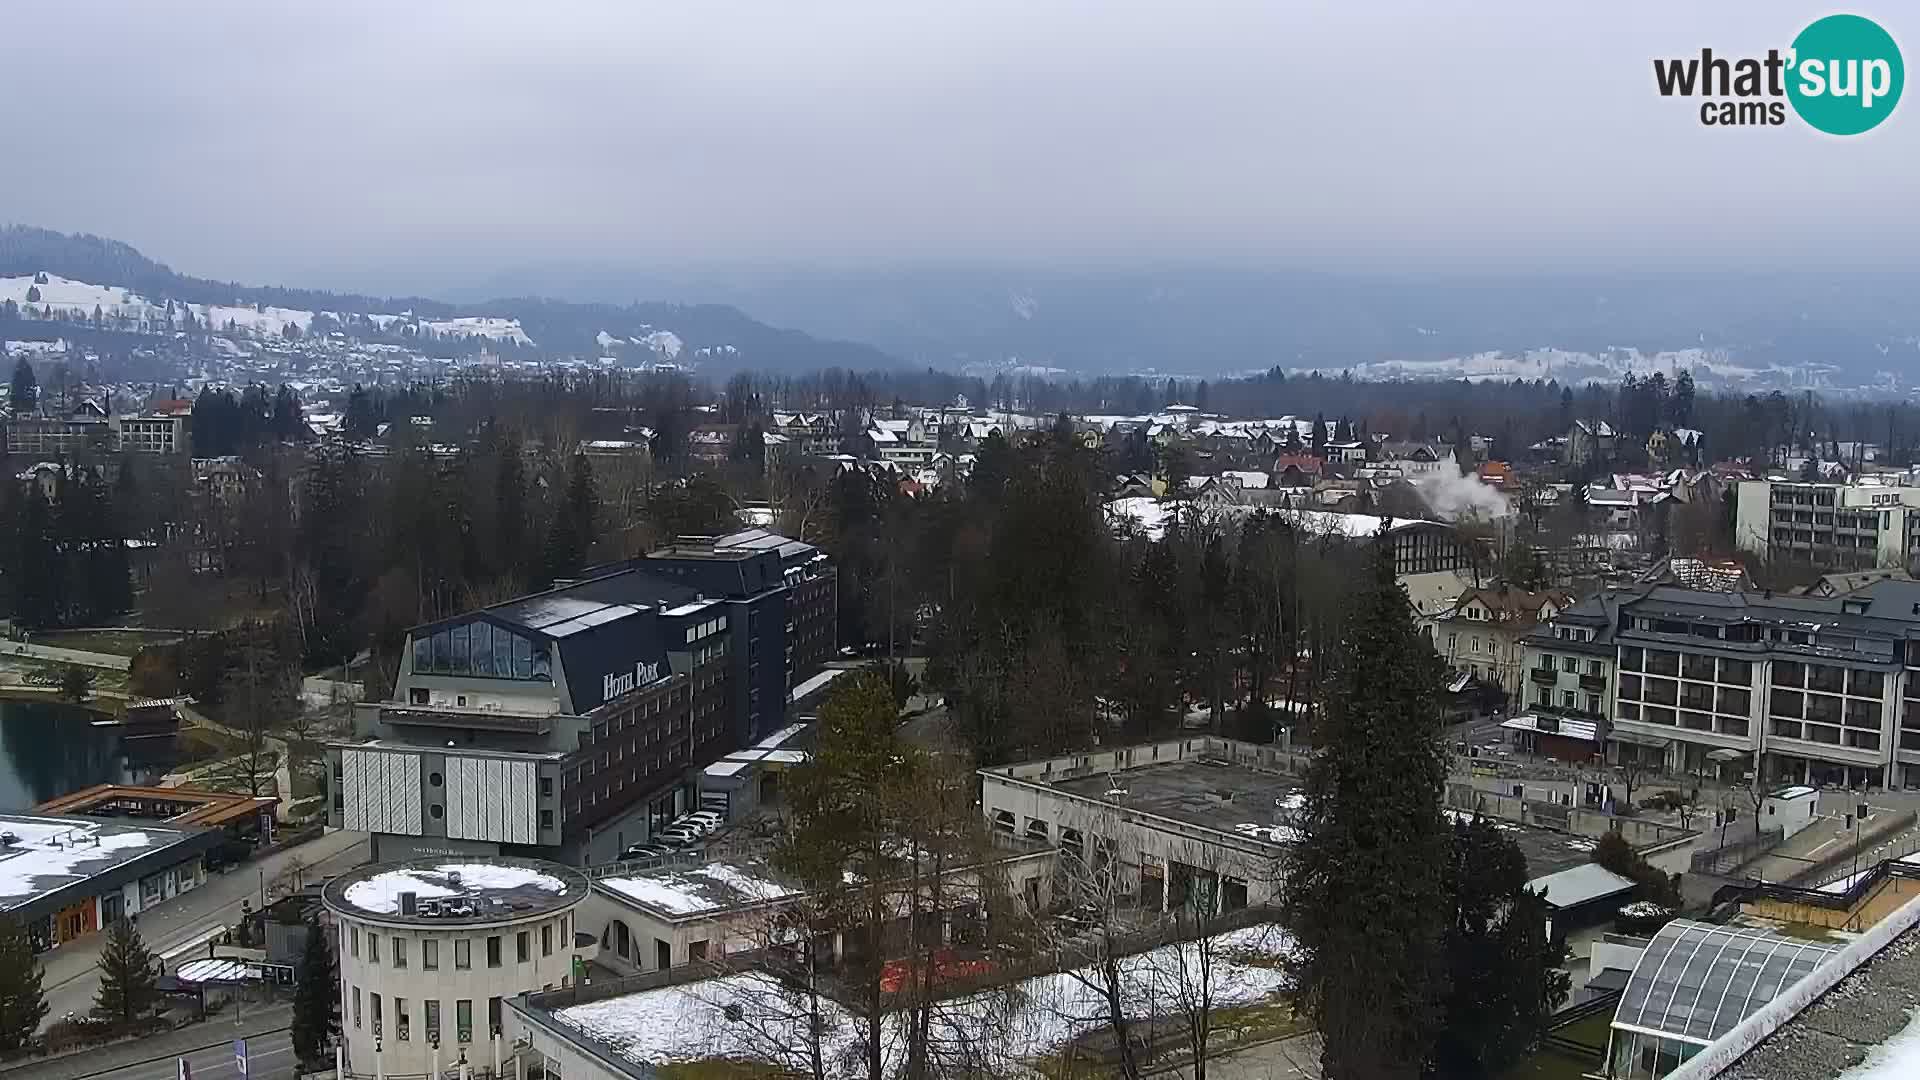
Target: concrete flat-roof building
[(650, 918), (1199, 819), (64, 876)]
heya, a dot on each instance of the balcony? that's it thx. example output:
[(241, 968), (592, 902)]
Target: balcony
[(451, 717), (1545, 676), (1596, 684)]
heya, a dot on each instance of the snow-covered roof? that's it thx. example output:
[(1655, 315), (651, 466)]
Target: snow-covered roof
[(817, 683), (41, 854), (496, 888), (681, 893), (687, 1023)]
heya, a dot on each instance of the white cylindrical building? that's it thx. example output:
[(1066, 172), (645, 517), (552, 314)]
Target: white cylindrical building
[(428, 950)]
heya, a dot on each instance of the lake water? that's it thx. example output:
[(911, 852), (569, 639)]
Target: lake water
[(48, 750)]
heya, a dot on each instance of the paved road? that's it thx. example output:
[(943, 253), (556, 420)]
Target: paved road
[(185, 922), (71, 656), (268, 1056)]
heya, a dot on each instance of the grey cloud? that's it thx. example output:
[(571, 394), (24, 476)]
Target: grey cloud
[(270, 140)]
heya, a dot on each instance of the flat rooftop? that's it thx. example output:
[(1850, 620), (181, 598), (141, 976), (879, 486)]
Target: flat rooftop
[(693, 892), (1547, 851), (1867, 1018), (481, 890), (41, 855), (175, 806), (1212, 794)]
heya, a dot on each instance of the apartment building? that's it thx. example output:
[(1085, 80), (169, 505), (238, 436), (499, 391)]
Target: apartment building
[(162, 429), (1806, 689), (1848, 526), (1569, 662)]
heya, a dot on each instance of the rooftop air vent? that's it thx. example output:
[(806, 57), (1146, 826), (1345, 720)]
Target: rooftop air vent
[(10, 838)]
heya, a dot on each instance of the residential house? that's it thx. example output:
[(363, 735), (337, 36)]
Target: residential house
[(712, 443), (1481, 633), (1419, 459), (1590, 441)]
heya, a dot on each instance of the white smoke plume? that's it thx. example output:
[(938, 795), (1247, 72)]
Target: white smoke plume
[(1452, 496)]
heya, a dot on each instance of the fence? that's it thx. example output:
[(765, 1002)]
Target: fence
[(1736, 852)]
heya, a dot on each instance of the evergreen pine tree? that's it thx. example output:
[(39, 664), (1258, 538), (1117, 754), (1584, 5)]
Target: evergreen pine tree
[(1366, 891), (316, 1002), (127, 971), (22, 1005), (1503, 986), (26, 389)]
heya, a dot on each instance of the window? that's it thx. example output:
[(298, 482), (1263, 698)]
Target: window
[(374, 1000), (463, 1019), (435, 779), (493, 1015), (373, 947), (1593, 668), (356, 1008), (353, 940), (401, 1022), (1566, 698), (546, 939), (697, 950), (1570, 665), (546, 819), (433, 1019), (493, 950), (430, 954), (522, 947), (399, 952), (1630, 686), (546, 787), (462, 954)]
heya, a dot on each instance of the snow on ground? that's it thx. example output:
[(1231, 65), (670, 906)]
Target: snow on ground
[(266, 320), (380, 894), (66, 293), (1014, 1024), (1147, 514), (485, 326), (1896, 1059), (1846, 883)]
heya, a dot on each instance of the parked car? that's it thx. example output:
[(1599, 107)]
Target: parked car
[(637, 852), (678, 836)]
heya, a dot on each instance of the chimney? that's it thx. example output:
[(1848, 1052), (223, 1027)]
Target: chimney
[(409, 903)]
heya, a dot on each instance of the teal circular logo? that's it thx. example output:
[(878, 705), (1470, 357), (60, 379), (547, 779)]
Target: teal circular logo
[(1845, 75)]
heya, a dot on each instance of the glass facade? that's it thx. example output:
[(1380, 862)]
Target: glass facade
[(1694, 982), (481, 648)]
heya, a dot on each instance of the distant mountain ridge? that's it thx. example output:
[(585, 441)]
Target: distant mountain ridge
[(1767, 325), (716, 333)]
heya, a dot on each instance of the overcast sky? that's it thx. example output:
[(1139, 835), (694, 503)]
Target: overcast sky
[(256, 141)]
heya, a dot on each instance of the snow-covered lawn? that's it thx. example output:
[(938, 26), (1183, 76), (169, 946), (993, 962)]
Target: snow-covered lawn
[(1014, 1025)]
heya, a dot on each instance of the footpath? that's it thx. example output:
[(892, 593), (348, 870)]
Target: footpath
[(219, 1031), (70, 656)]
